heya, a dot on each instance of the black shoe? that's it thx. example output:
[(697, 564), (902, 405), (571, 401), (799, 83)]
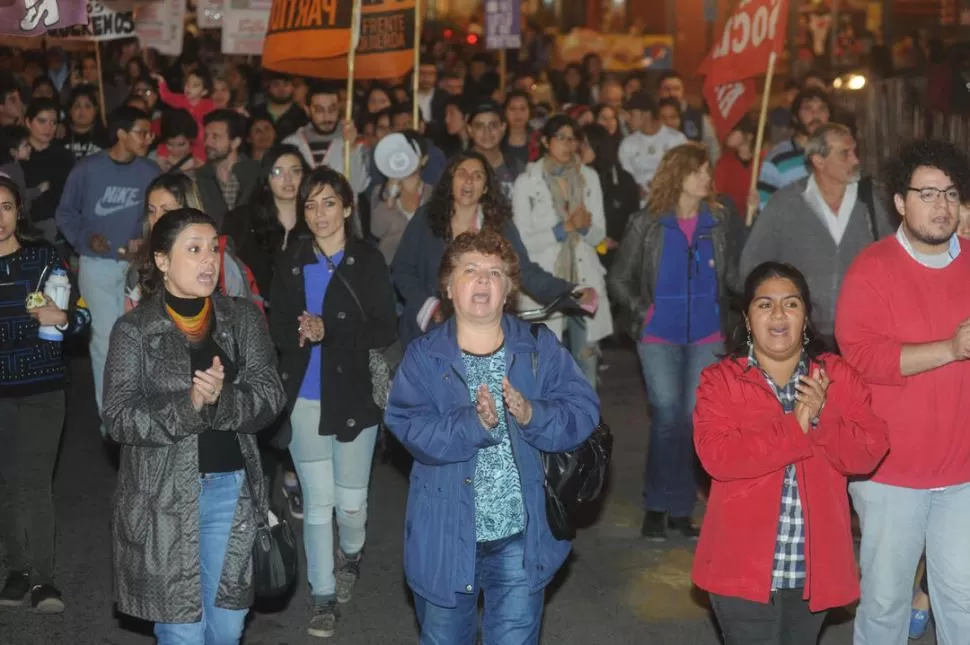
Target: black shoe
[(46, 599), (323, 618), (685, 527), (15, 589), (653, 526)]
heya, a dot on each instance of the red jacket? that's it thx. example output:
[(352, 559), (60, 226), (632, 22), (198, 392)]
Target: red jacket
[(745, 441)]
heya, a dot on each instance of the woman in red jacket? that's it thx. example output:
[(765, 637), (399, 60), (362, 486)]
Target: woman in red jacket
[(779, 425)]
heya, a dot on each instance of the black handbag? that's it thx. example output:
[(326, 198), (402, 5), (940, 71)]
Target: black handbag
[(275, 557), (576, 477)]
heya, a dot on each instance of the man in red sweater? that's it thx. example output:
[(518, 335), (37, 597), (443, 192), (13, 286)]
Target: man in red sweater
[(903, 321)]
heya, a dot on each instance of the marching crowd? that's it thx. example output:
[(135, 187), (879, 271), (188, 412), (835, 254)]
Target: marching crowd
[(241, 287)]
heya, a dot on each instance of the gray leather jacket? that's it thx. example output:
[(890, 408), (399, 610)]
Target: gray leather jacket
[(155, 524), (633, 274)]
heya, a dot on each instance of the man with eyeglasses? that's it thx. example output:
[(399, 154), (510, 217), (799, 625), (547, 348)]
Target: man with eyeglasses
[(904, 323), (486, 128), (820, 223), (100, 214)]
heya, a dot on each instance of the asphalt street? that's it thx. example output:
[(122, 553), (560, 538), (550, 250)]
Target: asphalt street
[(617, 588)]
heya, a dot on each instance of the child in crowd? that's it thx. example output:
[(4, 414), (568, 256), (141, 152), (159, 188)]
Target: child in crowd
[(195, 99)]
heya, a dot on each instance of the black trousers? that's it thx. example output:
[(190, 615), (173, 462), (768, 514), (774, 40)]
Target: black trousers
[(30, 435), (784, 620)]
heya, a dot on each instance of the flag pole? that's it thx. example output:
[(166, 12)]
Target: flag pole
[(351, 61), (417, 64), (760, 136), (97, 57), (502, 63)]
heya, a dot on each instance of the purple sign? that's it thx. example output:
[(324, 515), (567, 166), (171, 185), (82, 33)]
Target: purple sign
[(503, 24), (34, 17)]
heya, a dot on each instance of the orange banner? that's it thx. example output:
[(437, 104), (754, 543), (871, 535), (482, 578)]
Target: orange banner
[(312, 38)]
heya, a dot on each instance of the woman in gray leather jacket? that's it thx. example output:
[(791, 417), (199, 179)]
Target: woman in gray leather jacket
[(190, 377)]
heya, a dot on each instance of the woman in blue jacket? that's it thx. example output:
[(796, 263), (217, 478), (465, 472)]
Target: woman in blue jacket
[(475, 401), (466, 199)]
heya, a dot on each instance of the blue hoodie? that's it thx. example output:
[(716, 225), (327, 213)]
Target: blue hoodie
[(104, 197)]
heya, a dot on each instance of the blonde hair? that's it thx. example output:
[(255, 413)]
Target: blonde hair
[(668, 183)]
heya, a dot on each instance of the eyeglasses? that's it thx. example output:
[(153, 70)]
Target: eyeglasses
[(491, 126), (565, 138), (290, 173), (930, 194), (145, 92), (148, 135)]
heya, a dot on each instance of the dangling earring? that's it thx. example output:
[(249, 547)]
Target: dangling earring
[(749, 337), (805, 336)]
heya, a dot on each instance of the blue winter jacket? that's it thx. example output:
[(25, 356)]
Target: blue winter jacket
[(431, 413)]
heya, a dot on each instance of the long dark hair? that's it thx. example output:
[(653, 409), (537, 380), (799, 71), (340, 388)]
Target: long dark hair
[(161, 240), (317, 180), (266, 228), (22, 232), (495, 208), (736, 344)]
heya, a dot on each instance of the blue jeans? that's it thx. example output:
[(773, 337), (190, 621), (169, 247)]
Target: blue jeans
[(102, 285), (896, 524), (334, 476), (512, 614), (219, 626), (672, 373)]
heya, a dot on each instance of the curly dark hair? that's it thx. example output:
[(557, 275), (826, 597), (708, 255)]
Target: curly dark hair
[(942, 155), (495, 208)]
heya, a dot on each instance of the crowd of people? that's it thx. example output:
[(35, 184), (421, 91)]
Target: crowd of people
[(237, 279)]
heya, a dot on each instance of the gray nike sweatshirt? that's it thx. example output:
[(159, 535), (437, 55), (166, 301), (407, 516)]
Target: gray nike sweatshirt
[(104, 197)]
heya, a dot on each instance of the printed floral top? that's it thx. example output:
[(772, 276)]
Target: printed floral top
[(499, 511)]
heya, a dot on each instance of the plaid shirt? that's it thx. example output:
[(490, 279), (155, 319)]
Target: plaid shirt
[(230, 190), (788, 571)]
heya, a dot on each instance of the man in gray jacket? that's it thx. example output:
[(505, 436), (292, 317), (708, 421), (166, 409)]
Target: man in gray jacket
[(821, 222)]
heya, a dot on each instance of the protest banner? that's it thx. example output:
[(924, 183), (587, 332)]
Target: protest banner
[(23, 18), (161, 24), (729, 103), (107, 20), (751, 34), (313, 38), (619, 52)]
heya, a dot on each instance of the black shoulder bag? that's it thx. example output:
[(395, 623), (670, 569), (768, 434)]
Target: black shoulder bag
[(576, 477), (275, 556)]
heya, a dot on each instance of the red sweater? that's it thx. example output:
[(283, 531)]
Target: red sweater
[(889, 299), (745, 441)]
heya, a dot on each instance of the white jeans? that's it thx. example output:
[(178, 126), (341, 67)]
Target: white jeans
[(333, 476), (102, 285), (897, 523)]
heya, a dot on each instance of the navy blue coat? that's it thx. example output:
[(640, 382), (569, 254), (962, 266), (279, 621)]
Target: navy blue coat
[(431, 413), (414, 271)]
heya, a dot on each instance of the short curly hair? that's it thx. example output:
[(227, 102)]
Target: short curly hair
[(486, 242), (933, 153)]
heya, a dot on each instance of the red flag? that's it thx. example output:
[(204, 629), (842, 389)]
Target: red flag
[(728, 103), (754, 30)]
